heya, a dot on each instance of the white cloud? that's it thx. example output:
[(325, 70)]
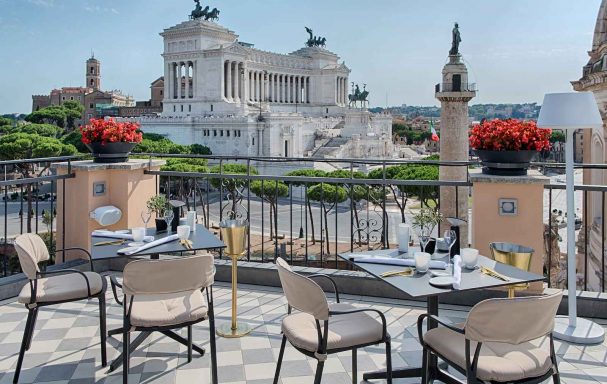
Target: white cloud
[(99, 9)]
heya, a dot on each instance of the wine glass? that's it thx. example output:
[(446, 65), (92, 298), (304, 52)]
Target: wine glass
[(168, 217), (449, 237), (146, 215), (424, 238)]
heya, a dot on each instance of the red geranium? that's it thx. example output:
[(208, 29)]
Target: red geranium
[(109, 131), (509, 135)]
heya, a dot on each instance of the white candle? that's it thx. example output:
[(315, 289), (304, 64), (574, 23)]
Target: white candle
[(402, 235)]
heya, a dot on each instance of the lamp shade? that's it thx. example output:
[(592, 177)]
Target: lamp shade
[(571, 110)]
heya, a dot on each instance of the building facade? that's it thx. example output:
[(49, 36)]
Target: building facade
[(239, 100)]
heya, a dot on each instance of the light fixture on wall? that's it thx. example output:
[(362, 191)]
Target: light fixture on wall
[(569, 112), (106, 215)]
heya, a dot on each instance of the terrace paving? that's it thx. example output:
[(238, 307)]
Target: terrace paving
[(65, 348)]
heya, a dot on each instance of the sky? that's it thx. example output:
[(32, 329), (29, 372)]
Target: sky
[(516, 50)]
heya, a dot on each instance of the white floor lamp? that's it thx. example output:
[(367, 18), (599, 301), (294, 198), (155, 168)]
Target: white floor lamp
[(568, 112)]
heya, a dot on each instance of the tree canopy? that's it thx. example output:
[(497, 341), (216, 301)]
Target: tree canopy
[(186, 165), (63, 116), (15, 146)]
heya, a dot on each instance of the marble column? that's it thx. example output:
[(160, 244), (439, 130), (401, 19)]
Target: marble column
[(281, 89), (259, 142), (308, 90), (187, 79), (238, 83), (229, 81), (194, 77), (178, 76)]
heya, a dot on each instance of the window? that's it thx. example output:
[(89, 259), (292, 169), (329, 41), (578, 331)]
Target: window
[(253, 141), (174, 108), (211, 107), (190, 108), (286, 148), (93, 70), (214, 132), (161, 92), (182, 108), (221, 133), (228, 133), (91, 106), (92, 82), (71, 97)]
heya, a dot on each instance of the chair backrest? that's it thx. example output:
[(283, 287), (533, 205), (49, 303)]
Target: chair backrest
[(168, 276), (31, 250), (302, 293), (512, 321)]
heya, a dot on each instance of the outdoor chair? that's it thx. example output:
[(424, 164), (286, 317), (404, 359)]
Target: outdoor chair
[(516, 255), (502, 341), (56, 287), (161, 295), (320, 328)]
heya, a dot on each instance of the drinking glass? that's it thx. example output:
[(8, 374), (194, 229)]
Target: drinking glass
[(450, 237), (183, 231), (146, 215), (138, 236), (168, 218)]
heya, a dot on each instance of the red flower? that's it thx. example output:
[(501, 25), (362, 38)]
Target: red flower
[(109, 131), (509, 135)]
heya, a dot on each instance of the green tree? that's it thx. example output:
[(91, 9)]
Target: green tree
[(186, 187), (557, 136), (355, 192), (270, 191), (5, 121), (164, 146), (328, 195), (198, 149), (307, 173), (47, 130), (233, 186), (21, 146), (73, 112), (75, 138), (53, 114)]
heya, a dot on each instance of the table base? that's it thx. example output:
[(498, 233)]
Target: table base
[(226, 330), (141, 338)]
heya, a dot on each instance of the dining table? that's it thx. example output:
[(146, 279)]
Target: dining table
[(105, 248), (418, 287)]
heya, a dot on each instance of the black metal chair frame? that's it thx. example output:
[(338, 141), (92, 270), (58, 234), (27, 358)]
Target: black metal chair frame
[(470, 370), (34, 306), (127, 328), (323, 333)]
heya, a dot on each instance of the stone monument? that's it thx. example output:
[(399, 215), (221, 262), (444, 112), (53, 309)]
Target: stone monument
[(454, 94)]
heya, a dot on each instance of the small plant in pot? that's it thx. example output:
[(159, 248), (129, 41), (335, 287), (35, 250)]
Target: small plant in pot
[(110, 141), (425, 220), (507, 147), (157, 204)]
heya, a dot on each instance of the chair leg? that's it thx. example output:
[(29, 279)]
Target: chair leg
[(213, 348), (425, 358), (354, 367), (126, 345), (189, 343), (280, 356), (24, 342), (318, 376), (388, 362), (32, 329), (103, 328)]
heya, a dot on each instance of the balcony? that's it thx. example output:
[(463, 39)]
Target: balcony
[(289, 221), (455, 87)]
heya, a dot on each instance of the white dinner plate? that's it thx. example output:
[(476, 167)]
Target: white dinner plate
[(442, 281)]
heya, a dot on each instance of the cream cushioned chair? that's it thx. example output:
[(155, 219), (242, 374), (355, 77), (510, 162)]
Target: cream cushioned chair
[(502, 341), (344, 327), (160, 295), (56, 287)]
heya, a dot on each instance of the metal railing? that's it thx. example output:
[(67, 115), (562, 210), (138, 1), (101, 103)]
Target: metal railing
[(29, 204), (455, 87)]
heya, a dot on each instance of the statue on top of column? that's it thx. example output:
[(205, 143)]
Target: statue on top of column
[(199, 12), (315, 41), (358, 96), (455, 42)]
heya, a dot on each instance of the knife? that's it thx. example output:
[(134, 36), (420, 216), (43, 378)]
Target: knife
[(113, 242), (491, 272)]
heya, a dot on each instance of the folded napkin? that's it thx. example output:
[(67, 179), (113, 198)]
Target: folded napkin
[(130, 251), (434, 264), (457, 272), (115, 235)]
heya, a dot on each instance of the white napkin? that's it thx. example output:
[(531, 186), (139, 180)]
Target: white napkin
[(434, 264), (130, 251), (115, 235), (457, 272)]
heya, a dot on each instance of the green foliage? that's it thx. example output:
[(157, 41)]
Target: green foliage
[(186, 165), (305, 173), (15, 146), (327, 193), (153, 136), (198, 149), (164, 146), (412, 172), (157, 204), (231, 169), (557, 136), (53, 114), (426, 220), (75, 138), (271, 189), (73, 111), (5, 121), (47, 130)]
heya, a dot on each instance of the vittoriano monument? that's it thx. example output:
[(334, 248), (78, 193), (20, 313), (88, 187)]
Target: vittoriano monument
[(358, 96), (455, 42), (315, 41), (199, 12)]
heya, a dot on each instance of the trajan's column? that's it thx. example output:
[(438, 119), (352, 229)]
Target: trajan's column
[(454, 94)]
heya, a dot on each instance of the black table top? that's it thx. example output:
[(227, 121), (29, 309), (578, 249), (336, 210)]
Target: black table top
[(418, 285), (201, 239)]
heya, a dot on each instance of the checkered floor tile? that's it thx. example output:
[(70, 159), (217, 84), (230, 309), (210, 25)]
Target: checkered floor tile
[(65, 348)]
